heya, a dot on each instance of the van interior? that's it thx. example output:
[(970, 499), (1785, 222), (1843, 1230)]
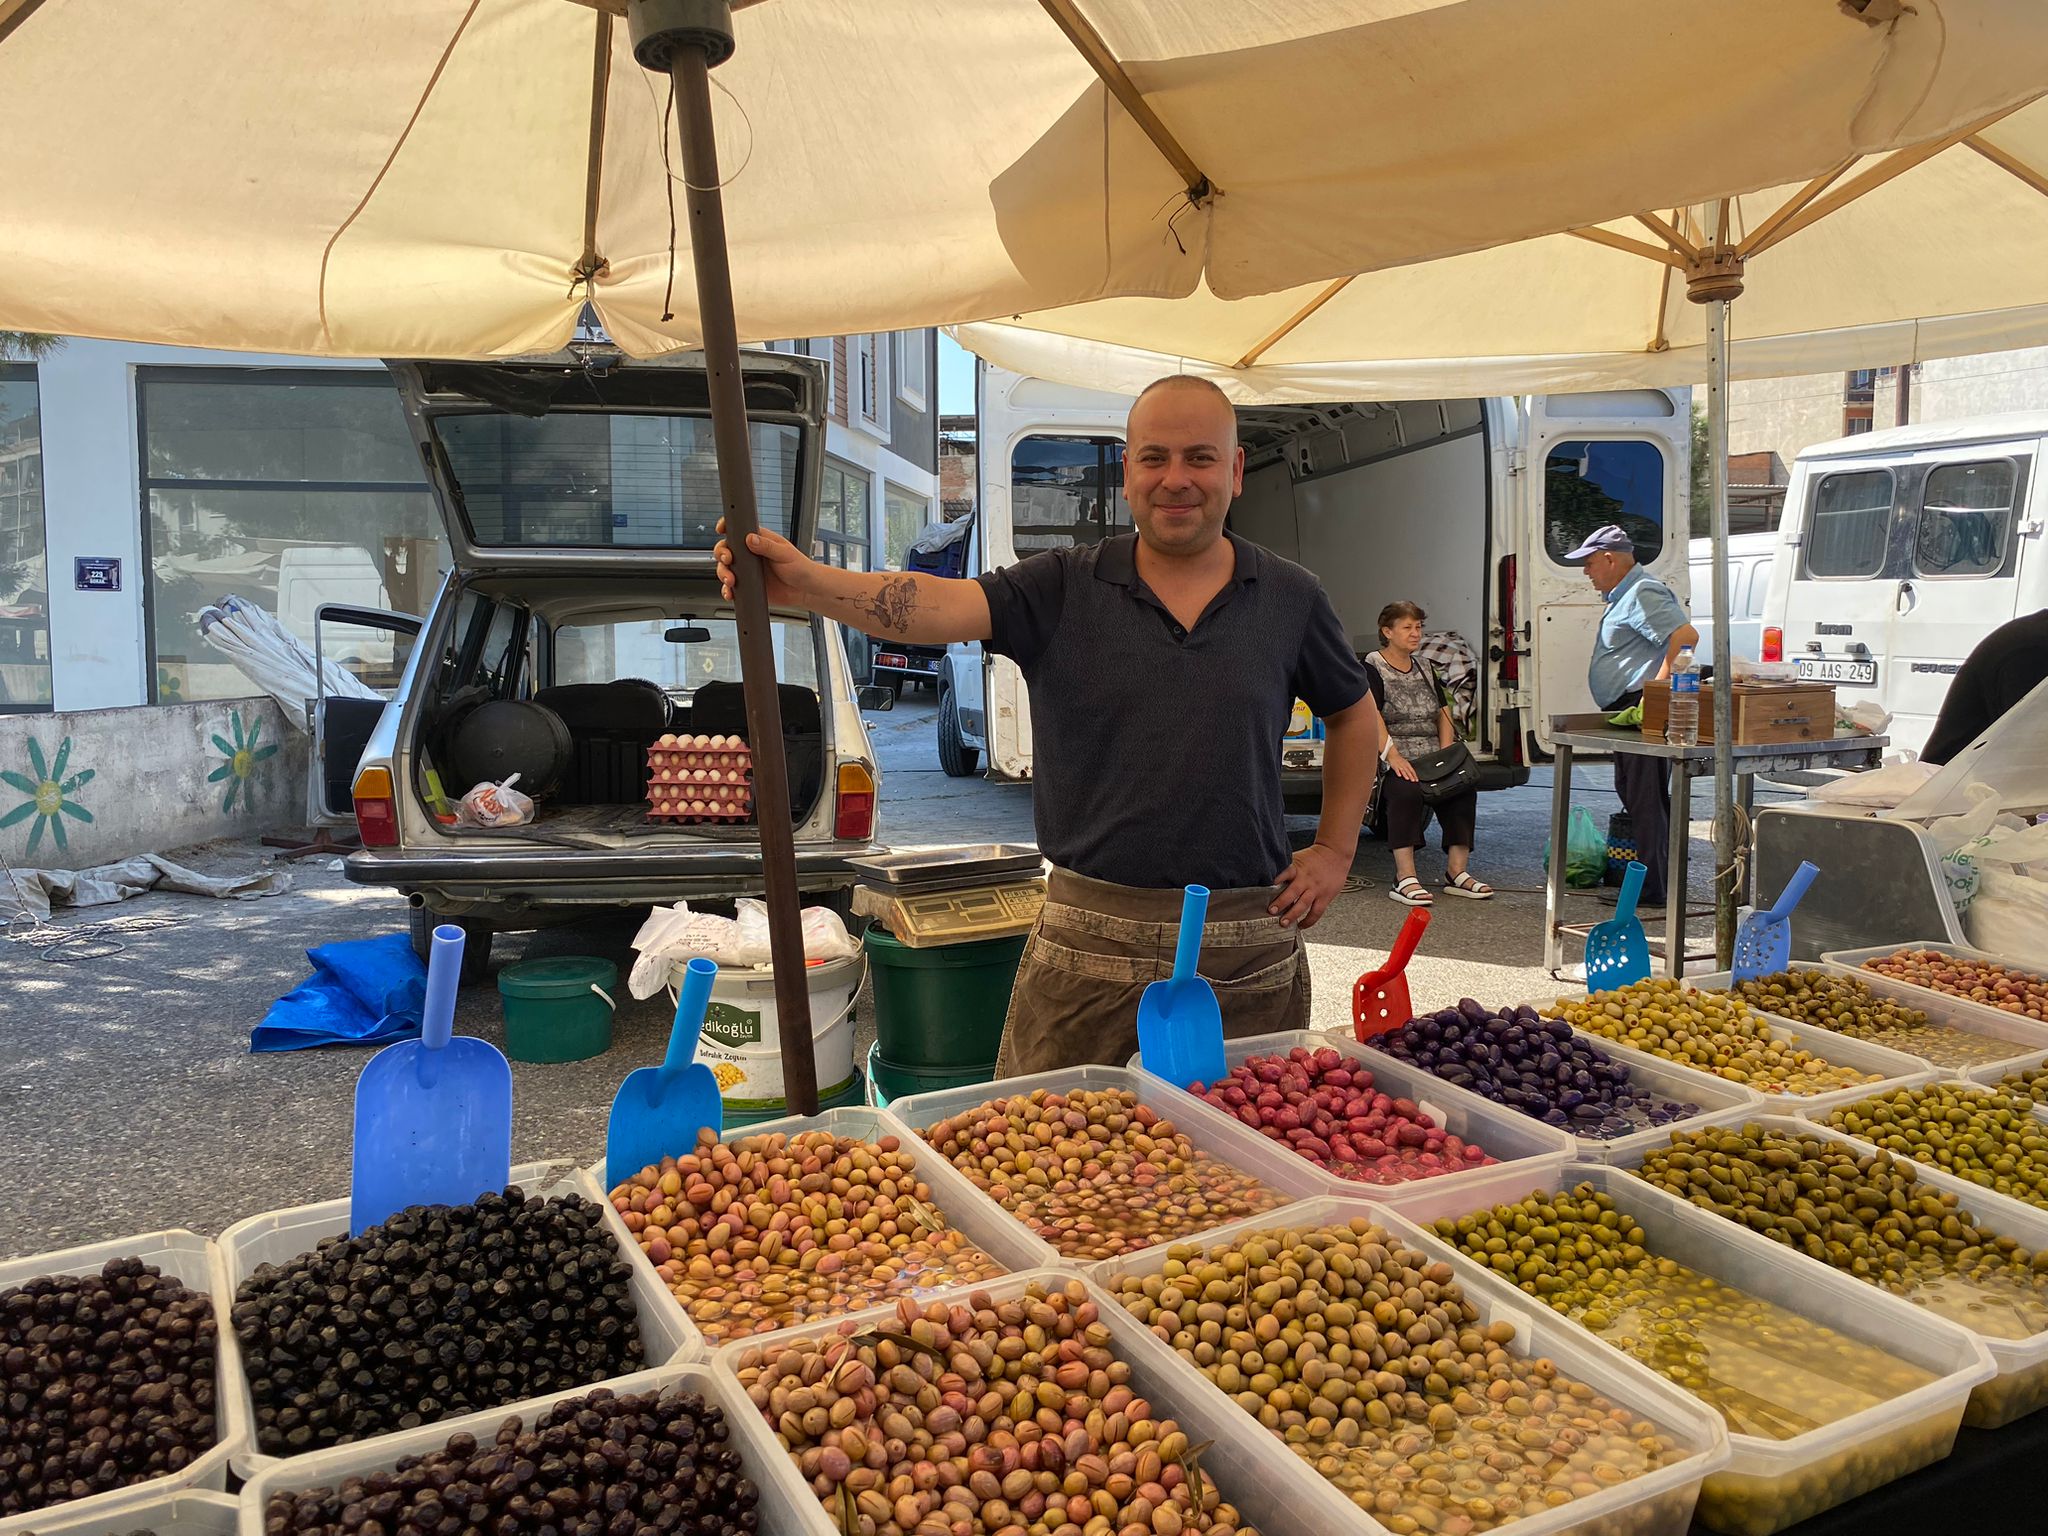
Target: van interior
[(568, 680)]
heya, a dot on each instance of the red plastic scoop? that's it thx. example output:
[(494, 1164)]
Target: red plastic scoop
[(1379, 1002)]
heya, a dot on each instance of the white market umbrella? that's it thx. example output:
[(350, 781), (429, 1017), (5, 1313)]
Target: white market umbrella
[(1937, 250), (450, 178), (410, 178)]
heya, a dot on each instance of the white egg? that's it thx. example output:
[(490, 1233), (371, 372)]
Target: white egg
[(667, 740)]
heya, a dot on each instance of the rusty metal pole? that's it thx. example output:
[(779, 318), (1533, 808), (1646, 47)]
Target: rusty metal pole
[(686, 40)]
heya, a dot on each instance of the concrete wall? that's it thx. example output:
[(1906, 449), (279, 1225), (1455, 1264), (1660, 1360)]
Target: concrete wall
[(1949, 387), (116, 782), (1782, 416)]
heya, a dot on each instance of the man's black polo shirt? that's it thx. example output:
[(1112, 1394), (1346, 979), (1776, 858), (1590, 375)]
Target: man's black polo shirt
[(1156, 750)]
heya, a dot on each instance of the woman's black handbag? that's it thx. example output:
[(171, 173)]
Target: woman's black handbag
[(1445, 774)]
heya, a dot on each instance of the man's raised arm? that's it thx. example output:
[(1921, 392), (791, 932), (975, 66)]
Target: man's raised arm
[(910, 606)]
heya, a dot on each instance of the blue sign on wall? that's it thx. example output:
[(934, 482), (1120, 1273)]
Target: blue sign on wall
[(95, 574)]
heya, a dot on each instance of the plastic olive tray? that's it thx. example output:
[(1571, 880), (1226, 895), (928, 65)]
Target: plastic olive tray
[(1289, 1177), (196, 1263), (1658, 1502), (1265, 1481), (1895, 1069), (189, 1512), (984, 1223), (1770, 1484), (2029, 1037), (1534, 1150), (1664, 1079), (2021, 1385), (277, 1237), (325, 1469)]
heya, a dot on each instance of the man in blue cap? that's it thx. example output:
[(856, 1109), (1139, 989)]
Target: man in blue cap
[(1641, 634)]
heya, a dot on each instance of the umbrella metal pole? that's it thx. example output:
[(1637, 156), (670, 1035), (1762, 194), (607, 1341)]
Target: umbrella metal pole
[(686, 52), (1726, 893)]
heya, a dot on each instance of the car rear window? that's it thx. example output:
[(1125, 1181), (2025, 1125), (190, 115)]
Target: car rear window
[(584, 480)]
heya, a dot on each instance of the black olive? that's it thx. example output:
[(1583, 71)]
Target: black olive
[(105, 1380), (439, 1311), (547, 1479)]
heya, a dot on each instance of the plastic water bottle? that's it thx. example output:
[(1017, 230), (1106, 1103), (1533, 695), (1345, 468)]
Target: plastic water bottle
[(1682, 723)]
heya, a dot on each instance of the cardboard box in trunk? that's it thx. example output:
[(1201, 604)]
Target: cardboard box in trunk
[(1765, 713)]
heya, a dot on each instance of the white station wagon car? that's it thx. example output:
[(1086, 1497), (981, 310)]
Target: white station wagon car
[(580, 624)]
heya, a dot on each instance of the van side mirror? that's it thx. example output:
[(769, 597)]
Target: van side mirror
[(874, 696)]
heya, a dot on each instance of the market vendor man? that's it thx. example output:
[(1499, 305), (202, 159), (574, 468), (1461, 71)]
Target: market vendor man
[(1163, 665), (1642, 630)]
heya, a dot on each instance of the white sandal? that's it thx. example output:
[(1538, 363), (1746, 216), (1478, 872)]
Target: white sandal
[(1464, 884), (1411, 892)]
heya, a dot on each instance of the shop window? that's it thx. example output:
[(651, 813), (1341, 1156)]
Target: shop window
[(1590, 483), (24, 566), (904, 514), (287, 488)]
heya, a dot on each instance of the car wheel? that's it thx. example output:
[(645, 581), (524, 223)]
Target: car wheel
[(955, 756), (476, 942), (895, 687)]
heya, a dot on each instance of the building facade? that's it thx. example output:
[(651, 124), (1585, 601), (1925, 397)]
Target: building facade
[(1770, 421), (139, 485)]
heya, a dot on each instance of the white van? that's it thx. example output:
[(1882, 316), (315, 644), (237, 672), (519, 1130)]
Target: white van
[(1900, 550), (1750, 557), (1464, 506)]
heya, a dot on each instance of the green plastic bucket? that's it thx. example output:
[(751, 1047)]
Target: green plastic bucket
[(942, 1009), (558, 1009), (846, 1095), (888, 1082)]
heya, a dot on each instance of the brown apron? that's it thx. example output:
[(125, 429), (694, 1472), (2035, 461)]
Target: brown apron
[(1095, 948)]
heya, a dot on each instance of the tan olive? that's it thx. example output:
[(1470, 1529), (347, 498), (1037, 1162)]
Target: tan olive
[(1709, 1030), (764, 1231), (1365, 1357), (959, 1423), (1096, 1173), (2006, 988)]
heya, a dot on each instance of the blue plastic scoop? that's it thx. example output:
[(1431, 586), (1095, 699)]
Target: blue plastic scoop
[(659, 1111), (433, 1115), (1763, 945), (1180, 1026), (1618, 951)]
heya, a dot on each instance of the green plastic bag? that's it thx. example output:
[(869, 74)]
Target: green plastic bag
[(1585, 851)]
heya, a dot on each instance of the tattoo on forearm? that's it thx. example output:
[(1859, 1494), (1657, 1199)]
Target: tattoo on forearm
[(892, 605)]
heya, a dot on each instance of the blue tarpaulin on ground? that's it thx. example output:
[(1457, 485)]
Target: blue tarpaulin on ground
[(361, 992)]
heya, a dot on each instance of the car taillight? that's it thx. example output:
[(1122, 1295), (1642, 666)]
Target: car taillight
[(1510, 662), (855, 818), (1774, 643), (376, 808)]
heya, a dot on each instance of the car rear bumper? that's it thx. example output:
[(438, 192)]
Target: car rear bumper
[(579, 877)]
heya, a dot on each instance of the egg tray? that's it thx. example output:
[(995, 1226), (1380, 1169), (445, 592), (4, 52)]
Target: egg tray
[(734, 812)]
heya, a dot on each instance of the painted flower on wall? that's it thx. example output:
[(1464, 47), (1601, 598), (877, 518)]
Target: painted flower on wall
[(49, 793), (242, 758)]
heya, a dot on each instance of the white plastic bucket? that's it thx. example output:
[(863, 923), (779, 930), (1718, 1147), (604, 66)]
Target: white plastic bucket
[(742, 1039)]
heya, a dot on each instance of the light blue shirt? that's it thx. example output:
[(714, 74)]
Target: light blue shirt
[(1641, 617)]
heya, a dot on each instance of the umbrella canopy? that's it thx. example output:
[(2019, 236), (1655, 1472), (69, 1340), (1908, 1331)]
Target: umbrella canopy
[(457, 177), (1931, 251)]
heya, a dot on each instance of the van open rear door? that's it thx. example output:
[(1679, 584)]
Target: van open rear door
[(1618, 457)]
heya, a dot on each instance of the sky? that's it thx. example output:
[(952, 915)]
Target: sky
[(956, 378)]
